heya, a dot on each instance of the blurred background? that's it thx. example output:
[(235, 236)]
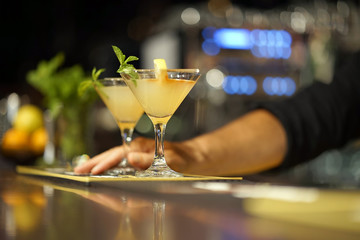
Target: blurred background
[(247, 51)]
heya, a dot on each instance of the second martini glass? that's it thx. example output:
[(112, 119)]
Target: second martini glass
[(126, 110), (160, 93)]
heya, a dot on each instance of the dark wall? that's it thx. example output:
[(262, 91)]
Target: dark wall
[(84, 30)]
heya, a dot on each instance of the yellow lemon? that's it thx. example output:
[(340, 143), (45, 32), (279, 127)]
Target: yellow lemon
[(28, 118)]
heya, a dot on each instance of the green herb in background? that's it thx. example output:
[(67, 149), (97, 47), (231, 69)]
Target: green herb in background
[(125, 67), (59, 86), (86, 84), (96, 73), (70, 111)]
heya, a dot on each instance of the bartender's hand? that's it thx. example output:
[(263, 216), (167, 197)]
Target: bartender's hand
[(249, 144), (113, 157), (141, 156), (101, 162)]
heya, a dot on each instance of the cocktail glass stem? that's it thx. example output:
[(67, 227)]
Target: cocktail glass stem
[(159, 167), (159, 159), (124, 167), (126, 135)]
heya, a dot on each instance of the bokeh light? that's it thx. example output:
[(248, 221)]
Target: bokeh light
[(279, 86), (240, 85), (262, 43), (215, 78), (190, 16)]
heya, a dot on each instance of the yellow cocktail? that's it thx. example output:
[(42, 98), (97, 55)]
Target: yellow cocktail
[(126, 111), (160, 92)]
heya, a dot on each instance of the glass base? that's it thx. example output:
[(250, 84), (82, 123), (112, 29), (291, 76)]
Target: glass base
[(120, 171), (123, 168), (158, 171)]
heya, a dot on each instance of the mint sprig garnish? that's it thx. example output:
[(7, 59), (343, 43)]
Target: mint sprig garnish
[(96, 73), (125, 66), (84, 85)]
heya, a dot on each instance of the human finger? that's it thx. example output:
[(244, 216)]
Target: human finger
[(140, 159), (107, 159), (111, 159), (86, 166)]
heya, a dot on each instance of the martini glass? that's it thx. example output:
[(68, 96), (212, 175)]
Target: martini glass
[(160, 92), (126, 111)]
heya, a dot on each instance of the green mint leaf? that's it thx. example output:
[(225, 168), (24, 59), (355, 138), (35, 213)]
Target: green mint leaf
[(121, 69), (119, 54), (96, 83), (130, 70), (83, 86), (96, 73), (125, 67), (86, 84), (131, 58)]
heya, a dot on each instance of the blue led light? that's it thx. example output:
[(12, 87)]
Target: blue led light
[(275, 89), (286, 52), (247, 85), (283, 85), (271, 52), (287, 39), (233, 38), (241, 85), (271, 37), (227, 85), (279, 86), (235, 84), (244, 85), (291, 86), (261, 42), (208, 32), (279, 39), (279, 51), (267, 86), (210, 47), (271, 43), (252, 85)]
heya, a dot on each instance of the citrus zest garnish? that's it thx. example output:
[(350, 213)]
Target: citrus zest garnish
[(160, 69), (160, 63)]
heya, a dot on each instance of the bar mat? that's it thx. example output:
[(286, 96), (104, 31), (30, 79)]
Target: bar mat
[(63, 173)]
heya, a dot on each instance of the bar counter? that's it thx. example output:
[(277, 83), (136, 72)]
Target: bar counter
[(34, 207)]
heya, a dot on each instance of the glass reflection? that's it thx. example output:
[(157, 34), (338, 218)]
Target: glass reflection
[(22, 209), (133, 212)]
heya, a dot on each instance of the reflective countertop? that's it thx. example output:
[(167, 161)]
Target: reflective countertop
[(47, 208)]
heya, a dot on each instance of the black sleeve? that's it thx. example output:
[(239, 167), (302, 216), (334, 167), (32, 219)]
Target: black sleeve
[(322, 116)]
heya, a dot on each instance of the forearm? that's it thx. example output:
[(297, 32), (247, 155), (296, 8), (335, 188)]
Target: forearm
[(252, 143)]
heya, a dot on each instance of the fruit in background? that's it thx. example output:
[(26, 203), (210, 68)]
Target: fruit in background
[(15, 140), (27, 137), (29, 118), (38, 140)]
